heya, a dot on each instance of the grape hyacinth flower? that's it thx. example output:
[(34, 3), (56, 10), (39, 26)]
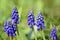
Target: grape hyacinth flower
[(31, 19), (31, 22), (15, 16), (40, 21), (10, 28), (53, 34)]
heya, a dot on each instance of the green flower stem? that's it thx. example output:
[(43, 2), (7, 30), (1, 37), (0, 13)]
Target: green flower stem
[(17, 29), (42, 34), (34, 33), (11, 38), (52, 38), (19, 35)]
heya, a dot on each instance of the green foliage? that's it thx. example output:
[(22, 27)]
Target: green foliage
[(50, 9)]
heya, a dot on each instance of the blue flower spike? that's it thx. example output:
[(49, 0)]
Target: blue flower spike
[(53, 34), (10, 28), (15, 16), (40, 24), (40, 21), (31, 19)]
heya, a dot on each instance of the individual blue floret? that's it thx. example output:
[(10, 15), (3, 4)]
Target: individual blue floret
[(53, 34), (15, 16), (31, 19), (40, 21), (10, 28)]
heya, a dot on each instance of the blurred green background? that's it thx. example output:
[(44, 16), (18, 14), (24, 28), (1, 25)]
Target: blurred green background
[(49, 8)]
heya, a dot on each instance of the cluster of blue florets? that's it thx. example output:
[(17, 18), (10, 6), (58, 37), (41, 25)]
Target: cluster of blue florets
[(10, 26), (53, 34), (40, 21), (31, 19), (15, 16)]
